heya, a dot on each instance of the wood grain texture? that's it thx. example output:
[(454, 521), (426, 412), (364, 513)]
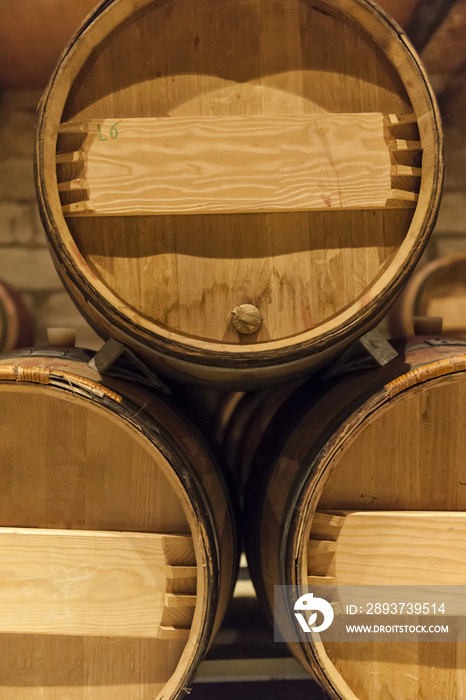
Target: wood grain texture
[(192, 276), (73, 464), (171, 281), (55, 487), (355, 445), (83, 583), (191, 165), (411, 429), (405, 548), (432, 481)]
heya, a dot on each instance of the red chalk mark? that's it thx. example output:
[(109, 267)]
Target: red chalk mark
[(365, 299)]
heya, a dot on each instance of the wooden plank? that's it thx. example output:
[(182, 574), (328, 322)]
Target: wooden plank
[(405, 171), (168, 633), (321, 581), (173, 600), (405, 145), (322, 546), (76, 582), (393, 120), (321, 555), (187, 165), (180, 571), (179, 550), (327, 525), (396, 548)]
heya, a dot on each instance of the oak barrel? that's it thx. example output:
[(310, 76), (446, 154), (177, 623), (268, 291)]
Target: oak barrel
[(383, 449), (117, 538), (16, 323), (436, 289), (237, 189)]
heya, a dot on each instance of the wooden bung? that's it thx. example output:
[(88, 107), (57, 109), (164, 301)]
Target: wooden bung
[(360, 480), (117, 536), (194, 159)]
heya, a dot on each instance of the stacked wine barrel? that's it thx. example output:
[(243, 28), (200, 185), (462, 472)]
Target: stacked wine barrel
[(16, 322), (358, 481), (117, 536), (236, 192)]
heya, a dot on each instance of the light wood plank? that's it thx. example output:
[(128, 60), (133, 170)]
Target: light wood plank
[(403, 196), (405, 145), (405, 171), (322, 546), (173, 600), (394, 548), (321, 581), (327, 525), (393, 120), (187, 165), (83, 582), (168, 633), (77, 184), (180, 571), (72, 157)]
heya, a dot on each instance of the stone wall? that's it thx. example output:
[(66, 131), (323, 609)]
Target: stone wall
[(25, 261)]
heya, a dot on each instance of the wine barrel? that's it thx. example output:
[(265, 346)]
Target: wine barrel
[(16, 324), (370, 448), (241, 421), (237, 190), (117, 536), (437, 289)]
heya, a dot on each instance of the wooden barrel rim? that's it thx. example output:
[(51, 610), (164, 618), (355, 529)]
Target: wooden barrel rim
[(155, 433), (272, 352)]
